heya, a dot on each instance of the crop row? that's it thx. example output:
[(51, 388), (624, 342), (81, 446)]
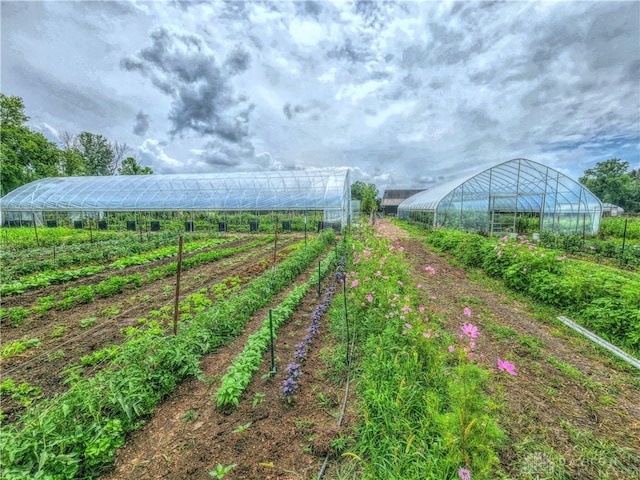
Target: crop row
[(25, 262), (117, 284), (247, 362), (423, 410), (75, 434), (603, 299), (55, 277)]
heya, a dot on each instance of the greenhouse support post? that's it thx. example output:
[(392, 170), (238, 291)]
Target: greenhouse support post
[(90, 230), (175, 307)]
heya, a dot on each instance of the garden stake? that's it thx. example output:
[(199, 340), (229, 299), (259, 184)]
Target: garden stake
[(90, 230), (305, 230), (346, 318), (273, 358), (319, 278), (175, 307), (624, 238)]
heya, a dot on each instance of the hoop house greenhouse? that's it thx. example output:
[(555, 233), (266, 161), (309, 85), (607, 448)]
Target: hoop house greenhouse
[(246, 197), (514, 196)]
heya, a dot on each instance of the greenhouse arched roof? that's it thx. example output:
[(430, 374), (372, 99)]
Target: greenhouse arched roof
[(274, 190), (517, 186)]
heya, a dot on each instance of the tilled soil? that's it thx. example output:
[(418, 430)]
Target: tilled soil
[(44, 367)]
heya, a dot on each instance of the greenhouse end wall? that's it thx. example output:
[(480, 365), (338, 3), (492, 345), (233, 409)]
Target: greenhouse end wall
[(515, 196)]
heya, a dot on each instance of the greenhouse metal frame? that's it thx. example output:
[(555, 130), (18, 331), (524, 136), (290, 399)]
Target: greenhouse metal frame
[(498, 198), (322, 190)]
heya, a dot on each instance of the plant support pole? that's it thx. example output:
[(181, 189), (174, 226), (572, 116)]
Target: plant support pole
[(175, 306), (319, 277), (273, 356), (346, 316)]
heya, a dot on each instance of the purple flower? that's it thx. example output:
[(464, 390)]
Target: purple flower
[(464, 474)]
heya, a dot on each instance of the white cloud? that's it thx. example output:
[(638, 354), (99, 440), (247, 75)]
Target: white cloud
[(399, 91)]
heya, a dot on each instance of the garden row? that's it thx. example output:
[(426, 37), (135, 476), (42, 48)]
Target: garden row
[(419, 389), (89, 334), (76, 433), (26, 261), (604, 299)]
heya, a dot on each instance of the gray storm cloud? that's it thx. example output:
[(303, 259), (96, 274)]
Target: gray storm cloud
[(204, 101), (142, 124)]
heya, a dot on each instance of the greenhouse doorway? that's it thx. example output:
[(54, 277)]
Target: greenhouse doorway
[(504, 216)]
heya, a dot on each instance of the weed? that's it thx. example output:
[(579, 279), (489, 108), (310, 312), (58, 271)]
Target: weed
[(191, 414), (221, 470), (257, 398), (242, 428)]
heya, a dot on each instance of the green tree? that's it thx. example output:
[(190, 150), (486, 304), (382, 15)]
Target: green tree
[(610, 182), (25, 155), (130, 166), (367, 193), (98, 155)]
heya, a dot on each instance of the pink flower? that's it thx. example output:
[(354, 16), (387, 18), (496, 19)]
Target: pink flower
[(369, 297), (421, 309), (408, 325), (470, 330), (451, 348), (404, 332), (467, 311), (464, 474), (354, 283), (430, 269), (378, 273), (507, 367), (400, 282)]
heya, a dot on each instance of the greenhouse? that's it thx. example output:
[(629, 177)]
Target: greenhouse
[(322, 195), (516, 196)]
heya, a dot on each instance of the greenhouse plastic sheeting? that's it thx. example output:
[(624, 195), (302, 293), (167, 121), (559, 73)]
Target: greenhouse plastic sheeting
[(286, 190), (518, 186)]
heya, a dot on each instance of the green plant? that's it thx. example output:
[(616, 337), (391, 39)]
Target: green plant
[(19, 346), (221, 470), (111, 311), (87, 322), (18, 314), (191, 414), (58, 331), (258, 397), (242, 428)]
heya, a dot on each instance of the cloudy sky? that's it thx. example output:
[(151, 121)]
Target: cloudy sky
[(404, 93)]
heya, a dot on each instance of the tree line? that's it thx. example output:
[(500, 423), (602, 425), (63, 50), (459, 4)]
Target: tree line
[(27, 155)]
